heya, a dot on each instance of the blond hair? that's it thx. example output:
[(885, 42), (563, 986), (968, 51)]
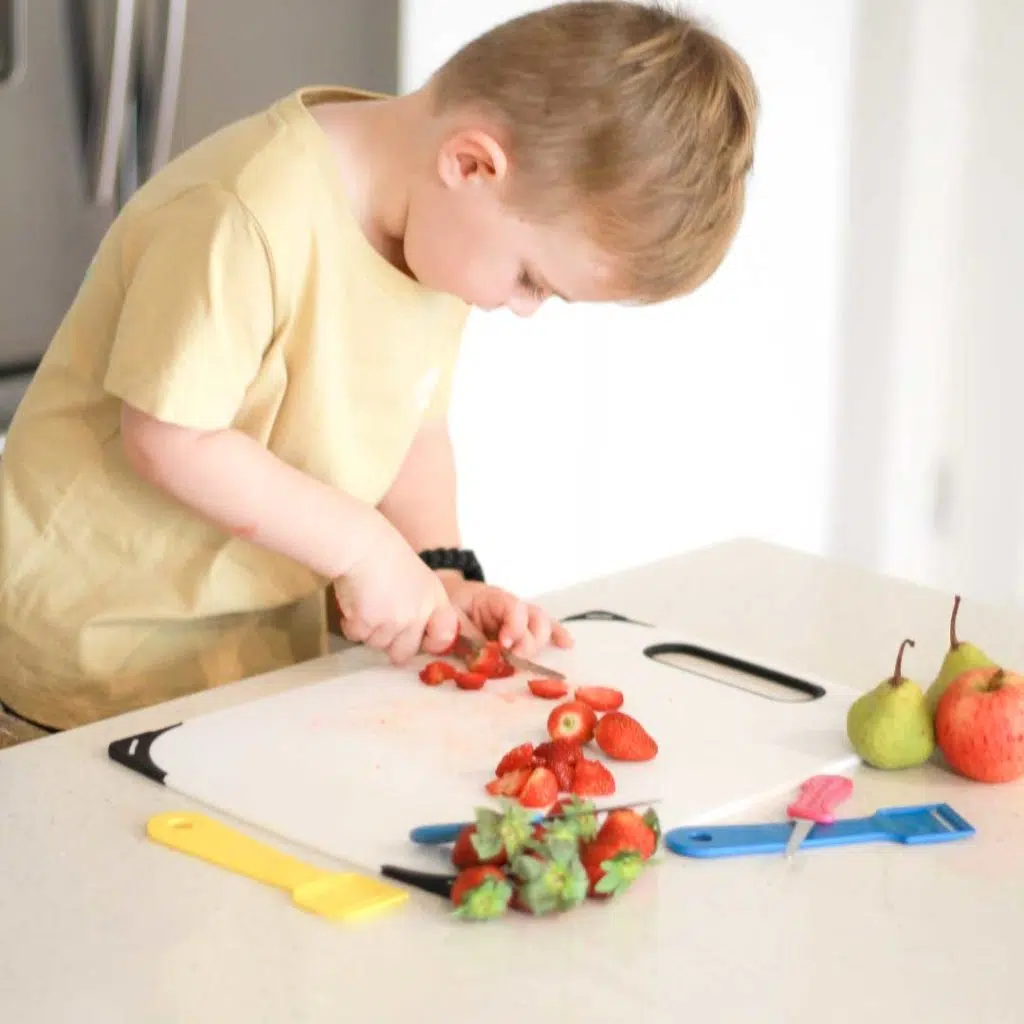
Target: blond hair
[(629, 113)]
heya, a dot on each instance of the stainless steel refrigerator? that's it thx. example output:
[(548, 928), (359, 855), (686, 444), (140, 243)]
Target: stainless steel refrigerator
[(96, 95)]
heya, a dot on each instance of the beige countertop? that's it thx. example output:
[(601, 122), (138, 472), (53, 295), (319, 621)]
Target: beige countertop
[(99, 925)]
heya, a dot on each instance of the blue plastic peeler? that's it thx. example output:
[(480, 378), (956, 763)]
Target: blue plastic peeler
[(912, 826)]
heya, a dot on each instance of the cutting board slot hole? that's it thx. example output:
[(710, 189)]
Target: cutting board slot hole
[(735, 672)]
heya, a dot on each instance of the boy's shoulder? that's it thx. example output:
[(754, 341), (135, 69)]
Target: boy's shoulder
[(275, 162)]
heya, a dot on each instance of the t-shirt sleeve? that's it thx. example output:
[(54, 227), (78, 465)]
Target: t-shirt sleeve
[(198, 311), (441, 398)]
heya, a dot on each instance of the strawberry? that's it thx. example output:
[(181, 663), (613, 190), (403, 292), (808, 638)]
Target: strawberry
[(489, 661), (592, 779), (481, 892), (612, 865), (518, 757), (621, 736), (559, 750), (470, 680), (436, 673), (564, 774), (541, 789), (642, 832), (548, 689), (572, 720), (551, 878), (508, 783), (572, 818), (466, 855), (600, 698), (560, 756)]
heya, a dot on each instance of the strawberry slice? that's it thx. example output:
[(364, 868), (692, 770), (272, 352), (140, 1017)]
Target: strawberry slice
[(490, 662), (565, 775), (592, 779), (548, 689), (558, 750), (600, 698), (437, 672), (541, 789), (509, 783), (573, 720), (470, 680), (522, 756)]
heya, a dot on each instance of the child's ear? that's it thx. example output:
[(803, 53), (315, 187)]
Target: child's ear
[(471, 157)]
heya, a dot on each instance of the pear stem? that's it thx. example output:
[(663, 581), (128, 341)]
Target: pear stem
[(897, 676), (997, 681), (954, 642)]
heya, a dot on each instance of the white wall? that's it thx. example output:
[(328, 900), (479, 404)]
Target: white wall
[(930, 466), (696, 421)]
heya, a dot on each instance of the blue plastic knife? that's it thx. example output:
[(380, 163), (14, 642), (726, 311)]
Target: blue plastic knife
[(912, 826)]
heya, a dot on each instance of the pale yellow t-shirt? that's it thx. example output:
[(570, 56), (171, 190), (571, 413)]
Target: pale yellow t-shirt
[(235, 289)]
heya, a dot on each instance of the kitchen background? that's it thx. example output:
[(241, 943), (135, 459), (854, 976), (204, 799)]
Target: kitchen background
[(846, 384)]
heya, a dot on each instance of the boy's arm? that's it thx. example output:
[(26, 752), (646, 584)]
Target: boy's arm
[(234, 482), (421, 501)]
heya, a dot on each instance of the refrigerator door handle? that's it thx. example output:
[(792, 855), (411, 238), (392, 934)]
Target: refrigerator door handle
[(160, 81), (105, 93), (13, 48)]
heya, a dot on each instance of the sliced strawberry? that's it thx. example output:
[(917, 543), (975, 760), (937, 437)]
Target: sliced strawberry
[(548, 689), (509, 783), (592, 779), (490, 662), (518, 757), (573, 720), (470, 680), (559, 750), (437, 672), (600, 698), (564, 774), (541, 789)]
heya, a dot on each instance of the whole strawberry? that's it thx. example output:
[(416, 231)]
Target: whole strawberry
[(612, 866), (481, 893), (551, 877), (493, 838), (622, 737), (642, 832)]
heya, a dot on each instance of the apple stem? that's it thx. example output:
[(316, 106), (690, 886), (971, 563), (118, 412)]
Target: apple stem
[(996, 682), (954, 643), (897, 676)]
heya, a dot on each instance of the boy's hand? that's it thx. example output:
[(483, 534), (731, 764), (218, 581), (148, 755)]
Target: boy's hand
[(519, 627), (391, 601)]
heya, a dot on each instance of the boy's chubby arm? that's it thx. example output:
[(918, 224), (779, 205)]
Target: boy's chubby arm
[(387, 597), (421, 504)]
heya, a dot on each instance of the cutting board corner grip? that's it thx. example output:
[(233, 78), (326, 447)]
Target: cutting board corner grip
[(135, 752)]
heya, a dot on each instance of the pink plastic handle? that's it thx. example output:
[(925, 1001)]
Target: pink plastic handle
[(819, 796)]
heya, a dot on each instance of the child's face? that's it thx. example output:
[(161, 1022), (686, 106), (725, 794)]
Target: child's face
[(462, 238)]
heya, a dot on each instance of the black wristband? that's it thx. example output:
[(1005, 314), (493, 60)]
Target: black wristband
[(456, 559)]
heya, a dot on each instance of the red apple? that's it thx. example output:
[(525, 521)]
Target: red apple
[(979, 724)]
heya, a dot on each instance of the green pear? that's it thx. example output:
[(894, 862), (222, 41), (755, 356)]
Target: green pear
[(891, 726), (961, 657)]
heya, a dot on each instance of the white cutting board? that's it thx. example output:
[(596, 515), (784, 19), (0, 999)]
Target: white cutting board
[(348, 766)]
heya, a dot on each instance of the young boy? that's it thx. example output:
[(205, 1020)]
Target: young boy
[(246, 402)]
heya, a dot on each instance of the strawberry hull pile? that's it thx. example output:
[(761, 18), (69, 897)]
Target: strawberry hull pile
[(535, 776), (505, 861)]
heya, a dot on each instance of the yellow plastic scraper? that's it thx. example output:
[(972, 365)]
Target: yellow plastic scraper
[(338, 896)]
